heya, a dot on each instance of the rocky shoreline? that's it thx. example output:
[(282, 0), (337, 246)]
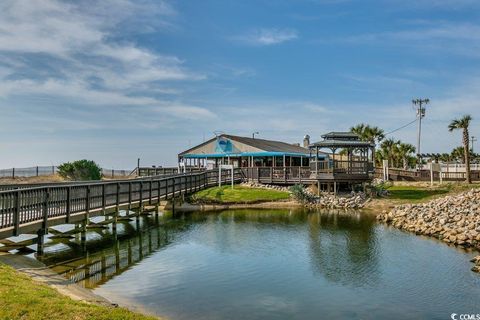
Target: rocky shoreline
[(253, 184), (354, 200), (453, 219)]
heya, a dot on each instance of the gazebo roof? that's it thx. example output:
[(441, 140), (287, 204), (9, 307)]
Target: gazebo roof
[(338, 140), (337, 144), (340, 136)]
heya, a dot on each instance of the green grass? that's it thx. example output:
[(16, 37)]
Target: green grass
[(23, 298), (227, 195), (414, 193)]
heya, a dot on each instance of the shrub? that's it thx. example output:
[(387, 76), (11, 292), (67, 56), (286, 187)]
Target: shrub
[(300, 193), (380, 188), (80, 170)]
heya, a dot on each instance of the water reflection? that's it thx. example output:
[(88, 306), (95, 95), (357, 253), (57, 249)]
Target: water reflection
[(106, 253), (343, 247), (269, 264)]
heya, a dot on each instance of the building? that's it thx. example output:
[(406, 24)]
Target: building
[(340, 160), (247, 152), (350, 159)]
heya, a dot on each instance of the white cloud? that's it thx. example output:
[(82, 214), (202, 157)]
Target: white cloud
[(189, 112), (67, 50), (266, 37)]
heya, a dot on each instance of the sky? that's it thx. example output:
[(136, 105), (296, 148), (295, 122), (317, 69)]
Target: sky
[(117, 80)]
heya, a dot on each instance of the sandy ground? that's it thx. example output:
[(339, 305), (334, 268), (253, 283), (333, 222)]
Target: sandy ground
[(377, 205), (28, 180)]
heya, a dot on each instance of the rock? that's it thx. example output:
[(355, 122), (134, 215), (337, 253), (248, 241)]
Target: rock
[(452, 219), (476, 260)]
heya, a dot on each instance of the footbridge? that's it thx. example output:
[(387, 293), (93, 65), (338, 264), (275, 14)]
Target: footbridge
[(27, 210)]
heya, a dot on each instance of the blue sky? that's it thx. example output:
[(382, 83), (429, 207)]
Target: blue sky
[(115, 80)]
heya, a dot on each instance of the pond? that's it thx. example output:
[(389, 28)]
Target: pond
[(271, 264)]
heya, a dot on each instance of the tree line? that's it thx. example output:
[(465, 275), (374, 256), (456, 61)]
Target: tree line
[(399, 154), (402, 155)]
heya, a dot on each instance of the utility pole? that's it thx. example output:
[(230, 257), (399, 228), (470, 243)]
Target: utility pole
[(419, 103), (473, 140), (253, 134)]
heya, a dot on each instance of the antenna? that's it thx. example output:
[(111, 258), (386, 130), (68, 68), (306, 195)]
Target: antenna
[(218, 133), (420, 115)]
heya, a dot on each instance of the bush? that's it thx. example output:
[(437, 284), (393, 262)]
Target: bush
[(380, 188), (80, 170), (300, 193)]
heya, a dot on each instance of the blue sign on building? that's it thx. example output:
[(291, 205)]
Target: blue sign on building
[(224, 145)]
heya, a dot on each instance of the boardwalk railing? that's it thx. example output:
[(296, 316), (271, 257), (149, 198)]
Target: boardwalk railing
[(277, 174), (289, 175), (51, 170), (424, 175), (30, 209), (341, 167), (158, 171)]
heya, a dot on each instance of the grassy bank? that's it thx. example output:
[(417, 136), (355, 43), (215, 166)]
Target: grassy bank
[(415, 193), (23, 298), (238, 195)]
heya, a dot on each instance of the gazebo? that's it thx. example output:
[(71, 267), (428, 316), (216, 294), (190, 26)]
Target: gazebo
[(350, 159)]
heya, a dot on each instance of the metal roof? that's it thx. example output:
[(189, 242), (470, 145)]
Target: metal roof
[(335, 135), (268, 145), (341, 144), (262, 144)]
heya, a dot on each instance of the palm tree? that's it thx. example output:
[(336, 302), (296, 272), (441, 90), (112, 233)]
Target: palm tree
[(379, 157), (463, 124), (445, 157), (359, 129), (404, 151), (389, 149), (458, 154), (374, 134), (368, 133)]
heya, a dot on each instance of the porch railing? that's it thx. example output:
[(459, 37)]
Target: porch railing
[(276, 174), (341, 166), (396, 174)]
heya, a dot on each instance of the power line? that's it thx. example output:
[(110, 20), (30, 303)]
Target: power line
[(420, 114), (404, 126)]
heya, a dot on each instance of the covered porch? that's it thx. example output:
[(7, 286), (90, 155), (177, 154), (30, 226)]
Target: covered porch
[(248, 160), (350, 158)]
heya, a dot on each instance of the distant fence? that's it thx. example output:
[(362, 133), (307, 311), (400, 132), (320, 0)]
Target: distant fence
[(28, 172), (159, 171), (112, 173), (51, 170), (424, 175)]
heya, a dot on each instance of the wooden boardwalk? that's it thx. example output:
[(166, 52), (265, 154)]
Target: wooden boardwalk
[(396, 174), (35, 209), (303, 175)]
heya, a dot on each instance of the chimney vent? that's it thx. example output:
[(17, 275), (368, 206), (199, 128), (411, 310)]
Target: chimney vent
[(306, 141)]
